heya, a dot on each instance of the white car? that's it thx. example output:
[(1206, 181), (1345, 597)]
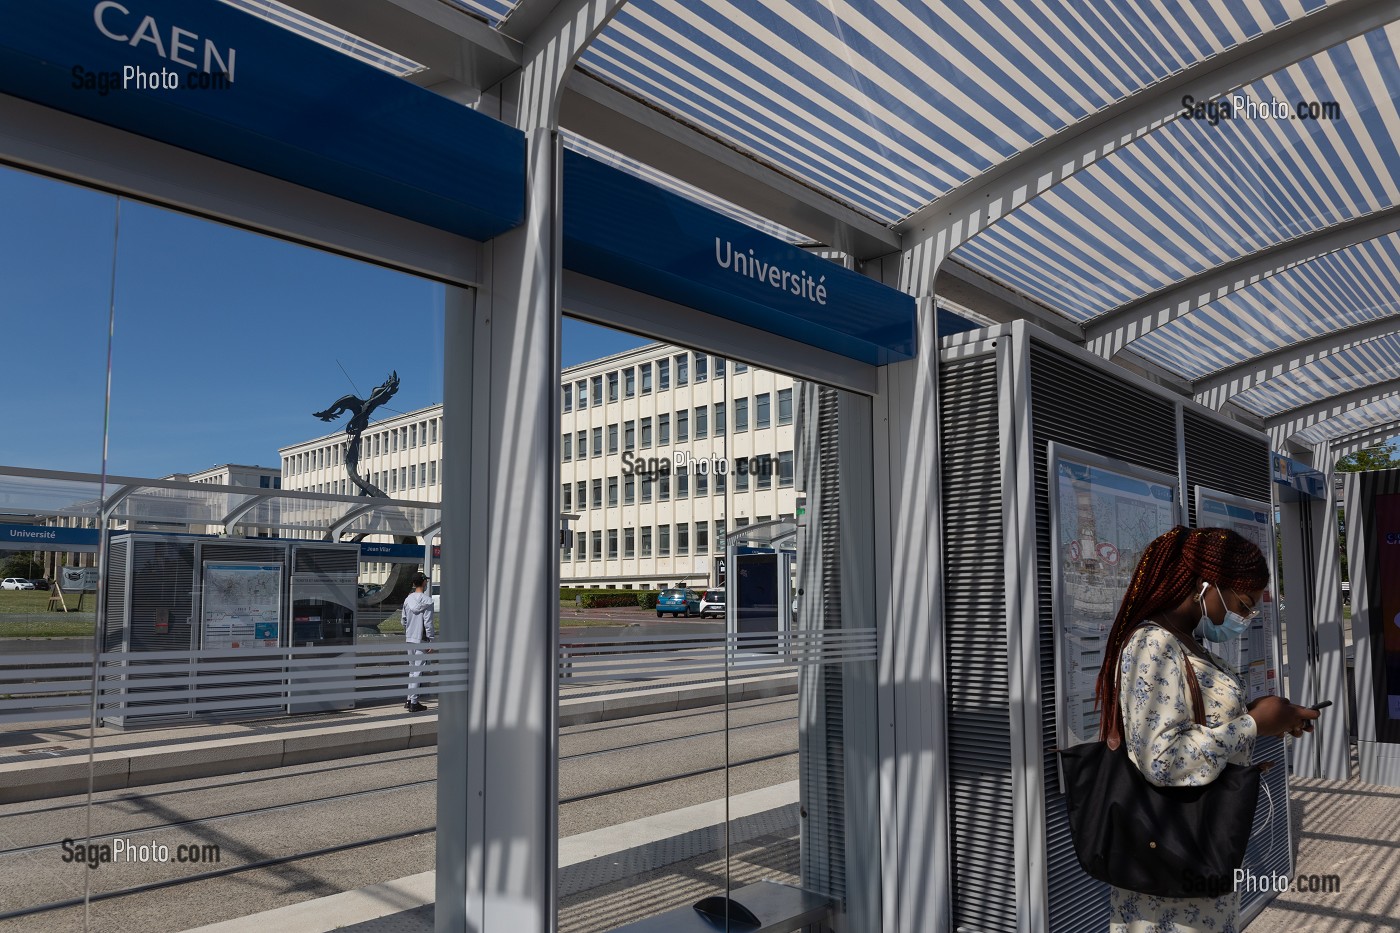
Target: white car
[(15, 583), (436, 590), (712, 603)]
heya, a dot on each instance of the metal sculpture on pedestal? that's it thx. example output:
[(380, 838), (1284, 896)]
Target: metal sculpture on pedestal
[(360, 410), (399, 585)]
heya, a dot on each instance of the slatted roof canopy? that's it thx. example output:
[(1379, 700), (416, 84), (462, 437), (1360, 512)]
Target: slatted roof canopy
[(1196, 247)]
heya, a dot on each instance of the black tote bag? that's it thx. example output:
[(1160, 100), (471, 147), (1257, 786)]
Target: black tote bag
[(1163, 841)]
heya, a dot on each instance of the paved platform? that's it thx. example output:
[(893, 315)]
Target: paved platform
[(51, 759), (1341, 828)]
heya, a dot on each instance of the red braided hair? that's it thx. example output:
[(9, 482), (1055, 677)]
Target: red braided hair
[(1165, 575)]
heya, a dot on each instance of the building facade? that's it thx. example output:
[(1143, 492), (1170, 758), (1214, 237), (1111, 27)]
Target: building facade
[(662, 451)]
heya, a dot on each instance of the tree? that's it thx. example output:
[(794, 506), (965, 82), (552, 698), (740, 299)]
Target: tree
[(1380, 457), (21, 564)]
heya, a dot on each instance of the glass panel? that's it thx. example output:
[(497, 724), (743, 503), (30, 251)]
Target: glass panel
[(252, 744), (662, 807)]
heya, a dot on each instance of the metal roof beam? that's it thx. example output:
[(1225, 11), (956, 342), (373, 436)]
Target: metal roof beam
[(1214, 390), (940, 227), (1375, 439), (605, 115), (1109, 333), (1286, 424), (452, 43), (1361, 434)]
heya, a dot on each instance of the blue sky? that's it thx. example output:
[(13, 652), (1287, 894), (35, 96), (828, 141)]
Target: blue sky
[(224, 341)]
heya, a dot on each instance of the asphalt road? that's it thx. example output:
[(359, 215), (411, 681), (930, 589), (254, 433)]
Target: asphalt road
[(610, 773)]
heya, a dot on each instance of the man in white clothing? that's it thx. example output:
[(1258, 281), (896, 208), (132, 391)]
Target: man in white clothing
[(417, 631)]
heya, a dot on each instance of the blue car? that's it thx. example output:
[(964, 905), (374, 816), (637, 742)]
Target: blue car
[(678, 602)]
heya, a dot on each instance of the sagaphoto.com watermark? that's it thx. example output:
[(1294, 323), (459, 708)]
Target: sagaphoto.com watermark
[(123, 851), (1245, 107), (1245, 881)]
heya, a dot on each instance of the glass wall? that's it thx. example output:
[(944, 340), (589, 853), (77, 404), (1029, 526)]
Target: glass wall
[(223, 468), (716, 687)]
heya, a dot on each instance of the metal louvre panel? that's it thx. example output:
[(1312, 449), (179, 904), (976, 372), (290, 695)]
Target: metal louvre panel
[(114, 635), (162, 581), (1225, 460), (979, 697), (1077, 404), (330, 560)]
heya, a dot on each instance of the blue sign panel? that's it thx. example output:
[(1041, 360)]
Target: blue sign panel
[(627, 231), (207, 77), (395, 552), (44, 538)]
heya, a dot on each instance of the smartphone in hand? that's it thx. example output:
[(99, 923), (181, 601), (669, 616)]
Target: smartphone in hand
[(1321, 706)]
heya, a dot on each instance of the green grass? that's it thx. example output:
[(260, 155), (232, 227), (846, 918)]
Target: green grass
[(34, 601), (76, 625)]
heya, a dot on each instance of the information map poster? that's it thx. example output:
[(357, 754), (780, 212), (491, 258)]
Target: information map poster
[(242, 605), (1388, 575), (1106, 513), (1254, 655)]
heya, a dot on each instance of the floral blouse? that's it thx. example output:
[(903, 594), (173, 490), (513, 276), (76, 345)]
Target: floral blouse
[(1163, 740)]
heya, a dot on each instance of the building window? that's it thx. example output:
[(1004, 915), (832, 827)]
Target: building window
[(646, 378), (741, 415), (682, 368), (581, 495), (566, 397), (682, 539), (741, 475), (612, 544), (413, 476), (719, 419), (567, 497), (721, 482), (682, 427), (435, 430), (702, 537), (581, 393), (581, 552), (612, 438), (682, 483), (763, 467), (719, 367), (598, 493), (612, 386), (761, 415), (612, 492), (566, 442), (646, 488), (598, 441), (264, 482), (432, 472), (597, 390), (629, 382), (646, 541), (413, 436), (702, 484), (629, 489), (597, 545), (395, 441), (646, 434), (785, 468), (663, 430), (663, 540), (784, 406), (702, 423), (663, 375), (741, 523), (581, 444), (629, 542), (629, 435), (701, 368), (741, 367), (719, 534), (403, 477), (663, 488)]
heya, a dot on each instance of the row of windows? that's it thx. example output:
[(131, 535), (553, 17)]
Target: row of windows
[(749, 472), (625, 383), (392, 440), (415, 476), (680, 540), (689, 425)]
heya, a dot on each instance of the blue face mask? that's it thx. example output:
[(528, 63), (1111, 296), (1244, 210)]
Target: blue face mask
[(1234, 625)]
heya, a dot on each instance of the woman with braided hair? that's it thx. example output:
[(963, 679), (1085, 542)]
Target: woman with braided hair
[(1188, 580)]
